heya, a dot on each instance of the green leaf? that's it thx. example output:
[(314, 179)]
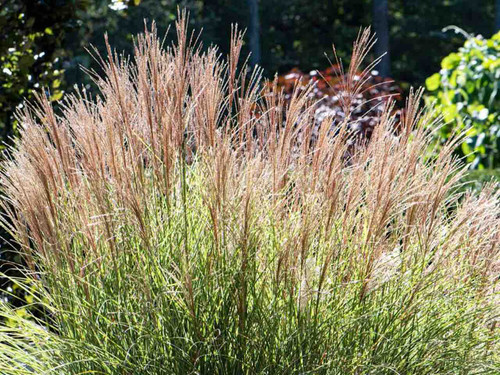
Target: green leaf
[(433, 82), (451, 61), (450, 113), (56, 96)]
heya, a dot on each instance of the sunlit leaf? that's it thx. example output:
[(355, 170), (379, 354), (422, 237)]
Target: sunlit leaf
[(432, 83)]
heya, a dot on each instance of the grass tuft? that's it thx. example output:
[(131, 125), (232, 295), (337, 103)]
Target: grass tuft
[(188, 221)]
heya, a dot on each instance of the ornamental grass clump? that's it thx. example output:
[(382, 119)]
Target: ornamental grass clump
[(187, 221)]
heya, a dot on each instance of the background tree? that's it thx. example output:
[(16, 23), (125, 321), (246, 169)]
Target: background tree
[(381, 28), (497, 15), (31, 49), (418, 43), (297, 35), (305, 30), (254, 31)]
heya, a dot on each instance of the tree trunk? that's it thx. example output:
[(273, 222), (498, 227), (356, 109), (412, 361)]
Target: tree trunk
[(381, 28), (497, 16), (254, 31)]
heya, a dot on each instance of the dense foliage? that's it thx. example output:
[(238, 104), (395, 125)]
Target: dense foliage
[(190, 221), (466, 91), (31, 46)]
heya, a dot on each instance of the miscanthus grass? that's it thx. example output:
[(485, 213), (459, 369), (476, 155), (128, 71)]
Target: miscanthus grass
[(187, 221)]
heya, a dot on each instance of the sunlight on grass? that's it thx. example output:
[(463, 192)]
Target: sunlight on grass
[(187, 221)]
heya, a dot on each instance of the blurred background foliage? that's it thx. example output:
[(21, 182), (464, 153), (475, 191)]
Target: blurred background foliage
[(43, 44), (32, 51)]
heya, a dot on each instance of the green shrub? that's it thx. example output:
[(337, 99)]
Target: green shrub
[(187, 221), (467, 92)]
